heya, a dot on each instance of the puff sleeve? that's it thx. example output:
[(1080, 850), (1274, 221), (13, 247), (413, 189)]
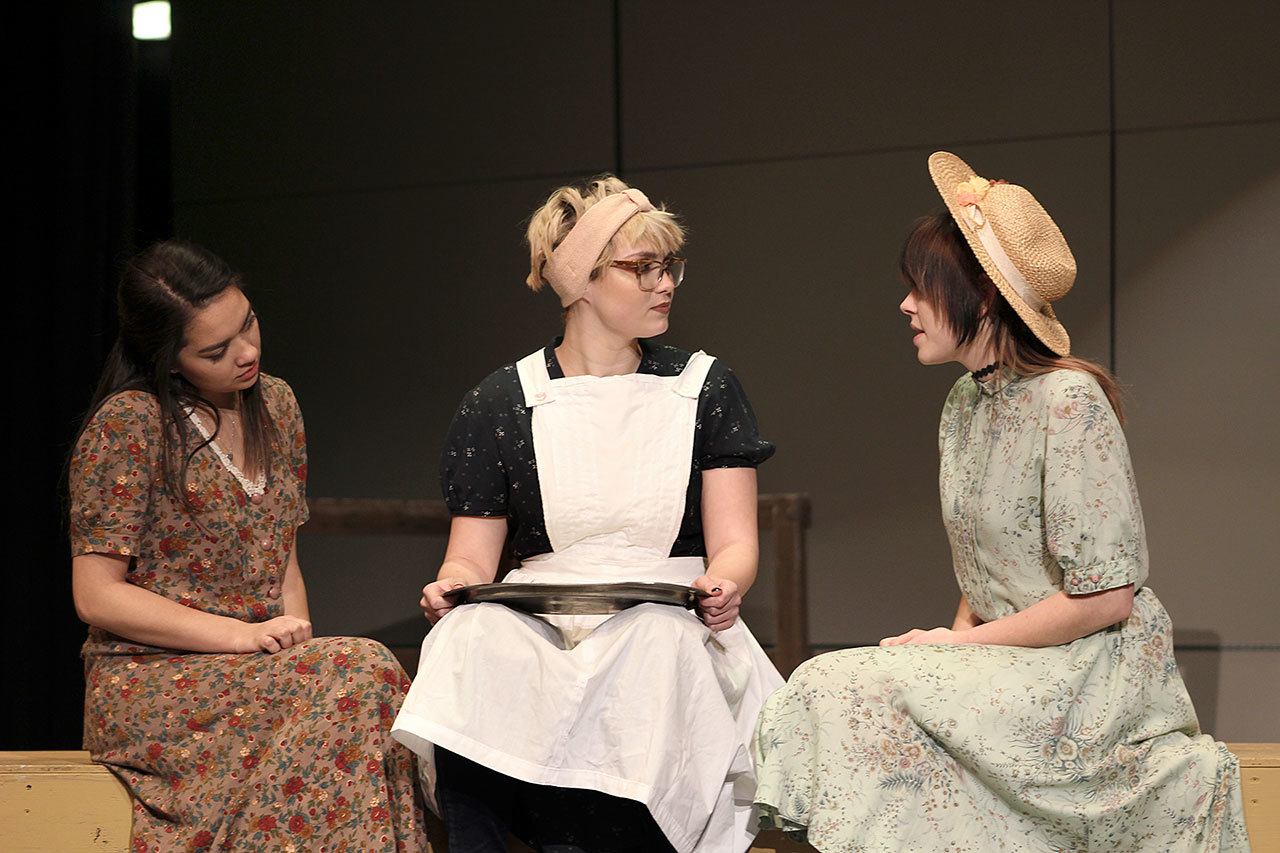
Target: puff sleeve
[(1092, 519), (727, 434), (295, 439), (473, 476), (114, 469)]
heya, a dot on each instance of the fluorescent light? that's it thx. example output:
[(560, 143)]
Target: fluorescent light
[(151, 20)]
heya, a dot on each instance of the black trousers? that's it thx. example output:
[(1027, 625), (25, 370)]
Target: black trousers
[(480, 806)]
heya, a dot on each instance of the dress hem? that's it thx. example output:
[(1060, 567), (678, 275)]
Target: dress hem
[(418, 733)]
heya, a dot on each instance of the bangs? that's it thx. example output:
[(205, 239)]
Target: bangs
[(939, 266), (654, 229)]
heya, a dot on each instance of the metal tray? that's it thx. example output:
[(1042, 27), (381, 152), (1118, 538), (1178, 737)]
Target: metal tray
[(578, 599)]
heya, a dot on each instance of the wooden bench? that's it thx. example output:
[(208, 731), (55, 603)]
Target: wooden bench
[(785, 517), (59, 802)]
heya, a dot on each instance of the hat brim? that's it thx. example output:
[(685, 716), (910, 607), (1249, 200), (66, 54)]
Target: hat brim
[(948, 170)]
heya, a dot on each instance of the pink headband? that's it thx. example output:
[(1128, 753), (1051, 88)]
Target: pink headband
[(569, 268)]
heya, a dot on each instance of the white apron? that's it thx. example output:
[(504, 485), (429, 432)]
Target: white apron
[(648, 704)]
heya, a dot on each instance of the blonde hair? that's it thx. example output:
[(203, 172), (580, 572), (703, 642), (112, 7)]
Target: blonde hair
[(551, 223)]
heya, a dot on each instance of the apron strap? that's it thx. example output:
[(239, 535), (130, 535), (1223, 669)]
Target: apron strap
[(691, 379), (535, 381)]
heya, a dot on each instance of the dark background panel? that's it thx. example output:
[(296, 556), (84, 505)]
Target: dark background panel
[(300, 97), (1184, 63), (729, 81)]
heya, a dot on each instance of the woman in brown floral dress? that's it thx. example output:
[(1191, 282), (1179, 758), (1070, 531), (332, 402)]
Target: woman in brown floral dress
[(205, 692)]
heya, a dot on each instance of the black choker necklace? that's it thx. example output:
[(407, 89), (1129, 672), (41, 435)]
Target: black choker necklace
[(979, 375)]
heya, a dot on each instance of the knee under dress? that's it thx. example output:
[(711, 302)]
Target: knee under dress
[(1092, 745), (290, 751)]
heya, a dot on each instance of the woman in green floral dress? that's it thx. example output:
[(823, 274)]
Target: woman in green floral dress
[(1050, 716), (232, 728)]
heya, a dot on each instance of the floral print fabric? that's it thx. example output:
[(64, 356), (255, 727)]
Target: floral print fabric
[(1093, 745), (223, 751)]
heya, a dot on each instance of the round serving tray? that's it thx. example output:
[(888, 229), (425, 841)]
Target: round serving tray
[(578, 599)]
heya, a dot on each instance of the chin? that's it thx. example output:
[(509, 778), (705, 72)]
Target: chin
[(653, 329)]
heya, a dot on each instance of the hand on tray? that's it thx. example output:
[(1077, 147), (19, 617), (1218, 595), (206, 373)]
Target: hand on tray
[(434, 605), (719, 610)]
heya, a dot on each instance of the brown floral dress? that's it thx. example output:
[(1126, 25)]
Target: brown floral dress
[(289, 751)]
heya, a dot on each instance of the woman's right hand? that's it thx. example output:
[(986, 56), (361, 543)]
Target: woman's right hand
[(271, 636), (434, 605)]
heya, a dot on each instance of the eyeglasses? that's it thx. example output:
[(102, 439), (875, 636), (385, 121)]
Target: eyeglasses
[(649, 271)]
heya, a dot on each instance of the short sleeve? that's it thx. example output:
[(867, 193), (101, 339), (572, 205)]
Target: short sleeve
[(296, 440), (1092, 518), (727, 435), (473, 476), (113, 470)]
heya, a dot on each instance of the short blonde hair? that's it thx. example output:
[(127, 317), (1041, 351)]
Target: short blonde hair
[(552, 222)]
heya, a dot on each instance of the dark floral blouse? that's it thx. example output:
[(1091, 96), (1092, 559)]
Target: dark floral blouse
[(488, 467)]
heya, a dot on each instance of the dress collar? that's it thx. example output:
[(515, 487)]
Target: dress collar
[(997, 381)]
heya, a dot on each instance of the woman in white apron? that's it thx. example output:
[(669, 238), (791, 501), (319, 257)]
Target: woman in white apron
[(606, 459)]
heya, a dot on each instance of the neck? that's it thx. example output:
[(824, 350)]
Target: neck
[(980, 353), (589, 350), (228, 400)]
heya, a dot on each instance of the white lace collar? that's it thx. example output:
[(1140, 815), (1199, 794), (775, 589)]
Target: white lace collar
[(252, 488)]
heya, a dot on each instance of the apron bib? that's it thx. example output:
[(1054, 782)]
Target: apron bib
[(646, 704)]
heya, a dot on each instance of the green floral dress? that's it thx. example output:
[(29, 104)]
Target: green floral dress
[(288, 752), (1092, 745)]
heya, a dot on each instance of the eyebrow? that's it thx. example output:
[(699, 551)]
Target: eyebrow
[(642, 255), (220, 344)]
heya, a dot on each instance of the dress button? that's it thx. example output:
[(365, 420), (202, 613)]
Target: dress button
[(273, 592), (540, 396), (266, 543), (255, 500), (1095, 578)]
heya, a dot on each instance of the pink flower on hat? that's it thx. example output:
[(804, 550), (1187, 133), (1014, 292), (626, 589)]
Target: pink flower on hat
[(972, 191)]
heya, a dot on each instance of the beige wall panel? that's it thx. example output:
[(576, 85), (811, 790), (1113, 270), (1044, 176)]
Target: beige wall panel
[(792, 281), (1236, 692), (1187, 62), (726, 81), (1197, 344), (283, 98)]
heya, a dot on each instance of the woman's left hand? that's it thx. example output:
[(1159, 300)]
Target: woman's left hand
[(719, 610), (934, 636)]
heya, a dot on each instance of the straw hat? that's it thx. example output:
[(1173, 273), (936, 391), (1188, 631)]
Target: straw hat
[(1016, 242)]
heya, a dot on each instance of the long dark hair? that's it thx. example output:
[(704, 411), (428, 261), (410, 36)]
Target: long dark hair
[(939, 265), (160, 290)]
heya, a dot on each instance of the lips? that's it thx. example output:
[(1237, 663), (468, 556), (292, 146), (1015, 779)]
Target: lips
[(664, 307), (249, 374)]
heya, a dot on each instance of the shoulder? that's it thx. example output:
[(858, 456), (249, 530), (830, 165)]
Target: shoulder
[(274, 386), (276, 390), (1073, 400), (126, 419), (962, 390), (279, 397), (127, 410), (665, 360), (499, 389), (1065, 387)]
